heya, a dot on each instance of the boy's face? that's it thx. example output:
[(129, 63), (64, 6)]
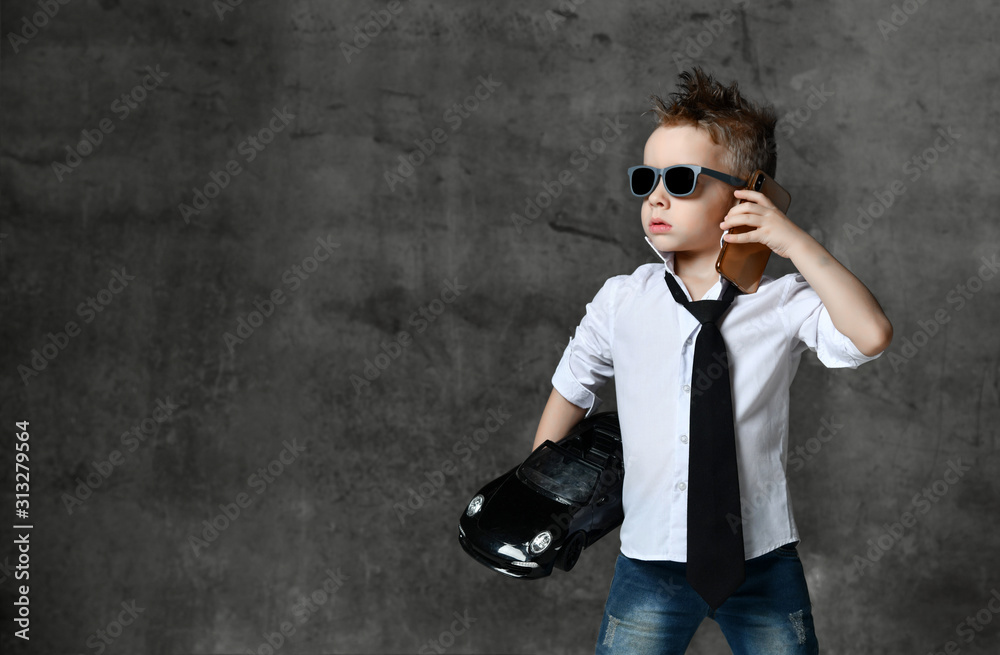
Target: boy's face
[(694, 219)]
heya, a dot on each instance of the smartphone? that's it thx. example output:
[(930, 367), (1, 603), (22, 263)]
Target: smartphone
[(743, 264)]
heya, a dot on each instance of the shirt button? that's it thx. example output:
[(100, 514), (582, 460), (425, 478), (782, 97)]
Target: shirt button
[(689, 341), (681, 486), (687, 388), (684, 438)]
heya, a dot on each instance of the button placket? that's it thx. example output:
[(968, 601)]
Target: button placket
[(682, 454), (684, 412)]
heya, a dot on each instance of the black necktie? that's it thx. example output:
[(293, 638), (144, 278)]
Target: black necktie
[(715, 556)]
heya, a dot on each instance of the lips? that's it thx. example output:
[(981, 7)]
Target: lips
[(658, 221)]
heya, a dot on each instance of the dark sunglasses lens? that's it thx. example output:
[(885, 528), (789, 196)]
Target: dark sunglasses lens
[(642, 181), (679, 181)]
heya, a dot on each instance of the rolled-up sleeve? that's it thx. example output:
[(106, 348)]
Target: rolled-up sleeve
[(808, 320), (587, 363)]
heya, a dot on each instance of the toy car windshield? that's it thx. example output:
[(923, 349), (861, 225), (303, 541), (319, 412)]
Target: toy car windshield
[(560, 474)]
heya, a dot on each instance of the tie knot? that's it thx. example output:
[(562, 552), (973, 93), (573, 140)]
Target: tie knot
[(706, 311)]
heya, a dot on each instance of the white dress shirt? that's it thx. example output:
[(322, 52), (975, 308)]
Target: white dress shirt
[(637, 333)]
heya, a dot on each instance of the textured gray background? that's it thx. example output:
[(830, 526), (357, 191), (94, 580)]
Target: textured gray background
[(563, 69)]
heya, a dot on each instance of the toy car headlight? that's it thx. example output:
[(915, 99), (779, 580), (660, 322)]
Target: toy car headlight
[(475, 505), (540, 542)]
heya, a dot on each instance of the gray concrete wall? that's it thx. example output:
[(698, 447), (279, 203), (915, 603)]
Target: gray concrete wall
[(147, 420)]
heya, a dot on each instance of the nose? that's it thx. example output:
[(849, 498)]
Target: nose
[(658, 197)]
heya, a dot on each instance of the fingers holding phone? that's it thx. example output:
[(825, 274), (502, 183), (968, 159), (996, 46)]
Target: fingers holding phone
[(757, 226), (758, 220)]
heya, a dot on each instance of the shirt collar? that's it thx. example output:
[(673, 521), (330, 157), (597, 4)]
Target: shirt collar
[(666, 255), (668, 260)]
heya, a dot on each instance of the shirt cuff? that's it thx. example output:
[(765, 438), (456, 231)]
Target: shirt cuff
[(835, 349), (569, 387)]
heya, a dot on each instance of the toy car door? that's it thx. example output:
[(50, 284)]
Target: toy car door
[(607, 506)]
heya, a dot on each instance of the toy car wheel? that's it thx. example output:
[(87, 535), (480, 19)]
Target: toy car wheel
[(571, 552)]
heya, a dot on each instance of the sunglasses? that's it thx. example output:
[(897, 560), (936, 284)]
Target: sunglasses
[(679, 180)]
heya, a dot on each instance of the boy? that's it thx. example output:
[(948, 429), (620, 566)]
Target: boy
[(637, 331)]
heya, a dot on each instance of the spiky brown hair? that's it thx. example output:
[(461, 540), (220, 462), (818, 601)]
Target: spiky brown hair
[(745, 128)]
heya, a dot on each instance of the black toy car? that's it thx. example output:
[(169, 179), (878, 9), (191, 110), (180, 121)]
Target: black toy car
[(542, 513)]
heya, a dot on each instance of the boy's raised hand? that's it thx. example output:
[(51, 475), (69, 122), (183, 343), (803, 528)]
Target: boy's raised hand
[(774, 229)]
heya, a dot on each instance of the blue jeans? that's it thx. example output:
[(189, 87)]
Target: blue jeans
[(651, 608)]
